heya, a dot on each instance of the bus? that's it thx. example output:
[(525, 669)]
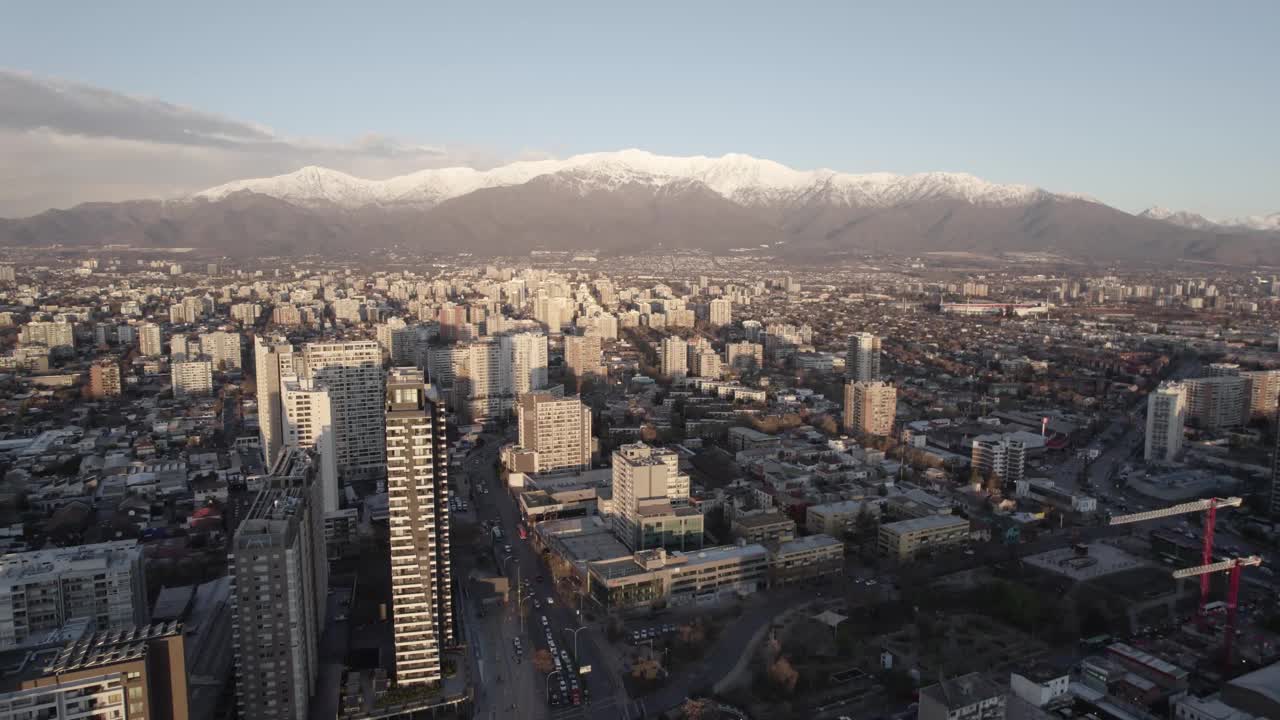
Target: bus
[(1217, 607)]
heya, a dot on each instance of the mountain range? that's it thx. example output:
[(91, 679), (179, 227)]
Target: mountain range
[(631, 201)]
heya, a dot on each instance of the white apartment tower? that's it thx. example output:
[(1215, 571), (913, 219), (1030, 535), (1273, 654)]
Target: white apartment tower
[(222, 348), (645, 479), (720, 311), (1166, 415), (582, 356), (483, 379), (528, 362), (673, 357), (307, 422), (557, 430), (862, 361), (193, 377), (272, 361), (352, 373), (418, 503)]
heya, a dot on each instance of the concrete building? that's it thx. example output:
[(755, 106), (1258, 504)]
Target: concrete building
[(528, 362), (870, 407), (150, 343), (1263, 393), (673, 357), (582, 356), (307, 422), (862, 361), (104, 378), (763, 527), (279, 578), (418, 500), (272, 360), (904, 539), (999, 455), (484, 381), (967, 697), (555, 432), (720, 312), (650, 500), (59, 337), (742, 356), (137, 673), (352, 373), (43, 590), (835, 518), (1166, 416), (1217, 403), (192, 377), (804, 559), (222, 348)]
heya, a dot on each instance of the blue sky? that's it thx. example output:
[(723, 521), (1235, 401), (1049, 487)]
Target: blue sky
[(1136, 103)]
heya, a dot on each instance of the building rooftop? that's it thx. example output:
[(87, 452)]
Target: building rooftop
[(809, 542), (928, 522), (762, 520), (962, 691)]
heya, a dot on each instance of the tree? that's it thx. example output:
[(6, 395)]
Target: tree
[(695, 709), (865, 522), (783, 675), (542, 661)]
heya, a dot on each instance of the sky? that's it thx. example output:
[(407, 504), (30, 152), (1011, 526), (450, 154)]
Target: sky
[(1136, 103)]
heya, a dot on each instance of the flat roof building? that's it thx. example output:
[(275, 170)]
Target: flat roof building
[(906, 538)]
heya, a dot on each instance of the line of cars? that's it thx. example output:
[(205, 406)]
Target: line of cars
[(565, 688), (653, 633)]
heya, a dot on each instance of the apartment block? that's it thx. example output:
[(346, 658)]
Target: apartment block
[(870, 407), (904, 539), (554, 432)]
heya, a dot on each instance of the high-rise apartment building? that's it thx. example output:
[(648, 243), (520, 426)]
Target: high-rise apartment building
[(279, 580), (720, 312), (150, 343), (451, 319), (555, 433), (272, 360), (59, 337), (673, 357), (418, 504), (352, 373), (651, 500), (307, 422), (104, 378), (741, 356), (42, 590), (222, 348), (7, 274), (85, 673), (998, 455), (1218, 401), (862, 361), (1166, 415), (582, 356), (870, 407), (193, 377), (1264, 393), (484, 379), (528, 362)]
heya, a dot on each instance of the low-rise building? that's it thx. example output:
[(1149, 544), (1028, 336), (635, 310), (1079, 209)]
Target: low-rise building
[(763, 527), (906, 538)]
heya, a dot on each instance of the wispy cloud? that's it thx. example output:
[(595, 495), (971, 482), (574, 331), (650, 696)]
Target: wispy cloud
[(63, 143)]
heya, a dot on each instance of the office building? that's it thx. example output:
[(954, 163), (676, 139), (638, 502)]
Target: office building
[(418, 505), (904, 539), (555, 433), (138, 673), (673, 357), (968, 697), (104, 378), (862, 361), (582, 356), (150, 343), (43, 590), (59, 337), (651, 500), (222, 348), (307, 422), (720, 312), (194, 377), (272, 360), (528, 362), (743, 356), (1166, 416), (870, 407), (279, 580), (352, 373), (1001, 456), (1217, 402)]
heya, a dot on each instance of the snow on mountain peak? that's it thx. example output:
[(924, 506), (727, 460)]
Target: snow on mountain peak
[(741, 178), (1200, 222)]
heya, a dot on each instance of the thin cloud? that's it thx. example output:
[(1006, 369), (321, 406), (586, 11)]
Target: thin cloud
[(63, 143)]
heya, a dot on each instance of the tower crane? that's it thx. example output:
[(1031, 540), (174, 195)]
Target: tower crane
[(1232, 566)]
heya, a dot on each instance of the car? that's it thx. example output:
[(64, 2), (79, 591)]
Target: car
[(537, 605), (341, 617), (550, 600)]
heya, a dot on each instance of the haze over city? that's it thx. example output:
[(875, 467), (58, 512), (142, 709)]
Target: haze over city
[(728, 361)]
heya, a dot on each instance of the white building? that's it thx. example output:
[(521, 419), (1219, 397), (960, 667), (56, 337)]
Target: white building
[(222, 348), (272, 361), (150, 343), (1217, 402), (418, 503), (1166, 415), (528, 362), (999, 455), (57, 336), (307, 422), (870, 407), (193, 377), (556, 430), (720, 312), (673, 357)]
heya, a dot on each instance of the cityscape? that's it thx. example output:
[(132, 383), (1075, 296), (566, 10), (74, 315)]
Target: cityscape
[(708, 362)]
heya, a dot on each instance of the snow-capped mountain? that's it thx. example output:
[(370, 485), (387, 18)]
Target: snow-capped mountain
[(743, 179), (1264, 223)]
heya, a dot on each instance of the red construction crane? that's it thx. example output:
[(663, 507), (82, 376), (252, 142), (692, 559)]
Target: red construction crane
[(1232, 566), (1210, 508)]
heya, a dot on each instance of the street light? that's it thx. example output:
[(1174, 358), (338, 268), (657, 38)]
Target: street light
[(575, 631), (553, 672)]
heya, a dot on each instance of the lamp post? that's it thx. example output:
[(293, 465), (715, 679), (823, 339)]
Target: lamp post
[(553, 672), (575, 631)]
